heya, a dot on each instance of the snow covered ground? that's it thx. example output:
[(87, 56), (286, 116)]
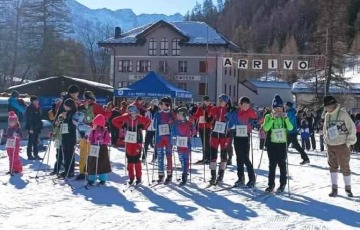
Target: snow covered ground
[(27, 204)]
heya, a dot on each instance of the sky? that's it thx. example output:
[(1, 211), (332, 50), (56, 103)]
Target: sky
[(143, 6)]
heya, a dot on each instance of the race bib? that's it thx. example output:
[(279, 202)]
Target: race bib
[(164, 130), (10, 143), (201, 120), (64, 128), (241, 131), (94, 151), (220, 127), (56, 143), (181, 141), (333, 132), (278, 135), (130, 137)]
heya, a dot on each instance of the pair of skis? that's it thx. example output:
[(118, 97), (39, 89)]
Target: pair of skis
[(132, 187)]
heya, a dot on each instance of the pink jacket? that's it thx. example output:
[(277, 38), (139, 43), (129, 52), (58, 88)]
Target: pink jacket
[(13, 132), (100, 135)]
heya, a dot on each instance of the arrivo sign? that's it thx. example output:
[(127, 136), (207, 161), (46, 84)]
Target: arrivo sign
[(272, 64)]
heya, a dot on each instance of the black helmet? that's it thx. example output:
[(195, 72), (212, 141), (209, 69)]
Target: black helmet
[(183, 111)]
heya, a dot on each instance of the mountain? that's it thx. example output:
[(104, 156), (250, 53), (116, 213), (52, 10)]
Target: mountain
[(125, 18)]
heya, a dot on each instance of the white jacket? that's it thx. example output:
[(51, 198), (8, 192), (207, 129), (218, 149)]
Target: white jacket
[(345, 127)]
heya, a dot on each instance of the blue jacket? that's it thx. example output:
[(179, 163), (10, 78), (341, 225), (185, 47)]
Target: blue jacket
[(15, 106), (291, 113)]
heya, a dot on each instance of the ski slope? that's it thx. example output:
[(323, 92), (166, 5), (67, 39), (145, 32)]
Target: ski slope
[(27, 204)]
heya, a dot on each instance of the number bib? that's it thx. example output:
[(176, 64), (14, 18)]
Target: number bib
[(181, 141), (201, 120), (220, 127), (10, 143), (64, 129), (278, 135), (94, 151), (164, 130), (333, 132), (241, 131), (130, 137)]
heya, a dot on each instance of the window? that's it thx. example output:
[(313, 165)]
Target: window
[(143, 66), (125, 66), (234, 94), (152, 47), (176, 47), (229, 90), (202, 67), (124, 84), (163, 66), (164, 47), (230, 72), (225, 89), (202, 89), (182, 66), (182, 85)]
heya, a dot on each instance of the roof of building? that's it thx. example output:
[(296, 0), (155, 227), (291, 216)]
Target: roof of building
[(271, 84), (193, 33), (309, 87)]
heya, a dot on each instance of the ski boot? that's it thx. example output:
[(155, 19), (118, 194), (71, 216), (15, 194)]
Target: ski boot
[(213, 178), (250, 184), (183, 180), (270, 189), (281, 189), (334, 191), (168, 179), (239, 183), (348, 191), (220, 177), (161, 179)]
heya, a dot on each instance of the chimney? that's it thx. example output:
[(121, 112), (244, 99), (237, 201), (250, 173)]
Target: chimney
[(117, 32)]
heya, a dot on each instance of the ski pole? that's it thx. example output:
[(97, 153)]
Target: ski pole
[(86, 163), (69, 166), (287, 168), (251, 146), (204, 154), (261, 156), (97, 161), (173, 153), (48, 156), (190, 157), (147, 168)]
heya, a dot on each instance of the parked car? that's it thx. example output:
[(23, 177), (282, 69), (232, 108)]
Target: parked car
[(45, 132)]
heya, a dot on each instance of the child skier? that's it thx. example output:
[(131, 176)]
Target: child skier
[(133, 123), (98, 159), (242, 119), (162, 122), (68, 137), (183, 130), (277, 124), (14, 136), (305, 134), (219, 136), (339, 135)]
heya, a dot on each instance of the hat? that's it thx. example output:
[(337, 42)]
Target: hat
[(73, 89), (224, 97), (183, 111), (243, 100), (12, 116), (139, 99), (166, 100), (329, 100), (70, 103), (89, 95), (15, 93), (33, 98), (277, 101), (155, 102), (132, 108), (99, 120), (289, 103), (206, 98)]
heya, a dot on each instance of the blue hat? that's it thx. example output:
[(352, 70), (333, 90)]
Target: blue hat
[(132, 108), (223, 97), (277, 101)]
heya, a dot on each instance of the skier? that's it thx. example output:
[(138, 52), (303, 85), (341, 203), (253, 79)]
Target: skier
[(183, 130), (98, 163), (242, 119), (150, 132), (133, 123), (339, 135), (13, 136), (305, 134), (219, 136), (68, 137), (204, 123), (276, 125), (162, 122), (292, 134)]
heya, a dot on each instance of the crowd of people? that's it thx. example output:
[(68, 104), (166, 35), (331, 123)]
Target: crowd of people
[(223, 125)]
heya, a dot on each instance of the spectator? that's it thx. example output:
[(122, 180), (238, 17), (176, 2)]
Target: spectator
[(34, 126), (15, 105), (52, 113)]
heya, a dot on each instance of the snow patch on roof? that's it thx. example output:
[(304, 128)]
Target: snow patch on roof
[(271, 84)]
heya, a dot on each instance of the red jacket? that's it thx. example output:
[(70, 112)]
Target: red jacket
[(245, 116), (130, 123), (203, 111), (218, 113)]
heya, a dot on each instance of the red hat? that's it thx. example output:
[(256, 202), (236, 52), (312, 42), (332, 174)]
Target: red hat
[(12, 116), (99, 120)]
